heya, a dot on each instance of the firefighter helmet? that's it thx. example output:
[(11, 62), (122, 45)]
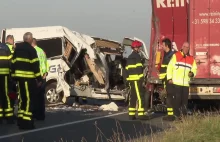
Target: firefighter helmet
[(136, 44)]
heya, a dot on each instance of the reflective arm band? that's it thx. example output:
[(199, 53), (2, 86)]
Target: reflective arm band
[(5, 57), (163, 66), (25, 60), (134, 66), (162, 75), (134, 77)]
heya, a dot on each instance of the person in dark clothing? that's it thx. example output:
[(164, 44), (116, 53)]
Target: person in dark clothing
[(39, 106), (168, 53), (6, 106), (135, 77), (25, 70)]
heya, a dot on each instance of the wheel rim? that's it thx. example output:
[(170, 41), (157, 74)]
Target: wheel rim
[(52, 96)]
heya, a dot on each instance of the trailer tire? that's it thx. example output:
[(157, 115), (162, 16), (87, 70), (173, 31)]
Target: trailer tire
[(51, 97)]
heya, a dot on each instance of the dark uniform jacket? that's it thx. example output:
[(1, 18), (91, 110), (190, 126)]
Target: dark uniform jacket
[(25, 62), (134, 67), (165, 62), (5, 57)]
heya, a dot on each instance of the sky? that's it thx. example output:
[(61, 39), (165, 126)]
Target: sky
[(113, 19)]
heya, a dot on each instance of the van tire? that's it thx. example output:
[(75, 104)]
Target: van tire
[(51, 97)]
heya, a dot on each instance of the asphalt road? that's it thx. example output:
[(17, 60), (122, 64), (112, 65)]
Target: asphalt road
[(90, 126)]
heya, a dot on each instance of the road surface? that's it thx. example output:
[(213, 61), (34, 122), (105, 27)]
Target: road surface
[(63, 125)]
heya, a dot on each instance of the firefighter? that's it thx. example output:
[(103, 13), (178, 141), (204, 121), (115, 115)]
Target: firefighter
[(135, 77), (12, 84), (10, 43), (180, 69), (39, 112), (168, 53), (6, 107), (25, 70)]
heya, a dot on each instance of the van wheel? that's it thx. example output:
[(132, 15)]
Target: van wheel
[(51, 97)]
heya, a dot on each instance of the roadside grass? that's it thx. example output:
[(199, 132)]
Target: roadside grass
[(196, 128), (200, 127)]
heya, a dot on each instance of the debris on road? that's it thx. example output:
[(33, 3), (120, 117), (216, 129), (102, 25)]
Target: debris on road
[(109, 107), (82, 108)]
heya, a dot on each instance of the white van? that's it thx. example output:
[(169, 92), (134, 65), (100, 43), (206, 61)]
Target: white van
[(79, 65)]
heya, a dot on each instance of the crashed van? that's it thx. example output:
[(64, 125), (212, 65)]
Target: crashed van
[(80, 66), (61, 47)]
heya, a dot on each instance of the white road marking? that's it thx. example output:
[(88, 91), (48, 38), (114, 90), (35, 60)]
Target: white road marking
[(58, 125)]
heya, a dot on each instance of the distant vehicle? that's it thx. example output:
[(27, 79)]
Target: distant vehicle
[(71, 72), (198, 22)]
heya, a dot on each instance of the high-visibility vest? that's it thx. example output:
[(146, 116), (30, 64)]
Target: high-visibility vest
[(179, 68), (10, 47), (42, 59)]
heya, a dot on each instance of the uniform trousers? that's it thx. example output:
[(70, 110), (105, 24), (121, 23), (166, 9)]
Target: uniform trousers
[(39, 103), (27, 92), (137, 93), (177, 100), (6, 105)]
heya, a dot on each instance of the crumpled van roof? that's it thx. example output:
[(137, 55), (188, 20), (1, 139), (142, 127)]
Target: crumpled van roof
[(48, 33)]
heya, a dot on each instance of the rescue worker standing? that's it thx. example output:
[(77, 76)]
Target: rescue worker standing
[(181, 68), (12, 84), (10, 43), (168, 53), (25, 70), (6, 107), (135, 77), (39, 112)]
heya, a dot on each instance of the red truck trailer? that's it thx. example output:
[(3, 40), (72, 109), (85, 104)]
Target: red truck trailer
[(196, 21)]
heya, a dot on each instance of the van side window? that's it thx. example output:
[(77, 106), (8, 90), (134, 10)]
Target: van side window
[(52, 47)]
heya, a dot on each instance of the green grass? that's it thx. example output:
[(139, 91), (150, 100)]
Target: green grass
[(195, 128)]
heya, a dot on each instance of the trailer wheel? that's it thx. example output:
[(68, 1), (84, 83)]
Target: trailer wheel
[(51, 97)]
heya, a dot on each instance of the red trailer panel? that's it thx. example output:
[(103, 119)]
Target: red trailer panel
[(196, 21), (205, 37), (169, 19)]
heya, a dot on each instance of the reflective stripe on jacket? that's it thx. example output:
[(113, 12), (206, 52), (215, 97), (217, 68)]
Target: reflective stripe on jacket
[(5, 57), (179, 68), (25, 62), (10, 47), (134, 67)]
